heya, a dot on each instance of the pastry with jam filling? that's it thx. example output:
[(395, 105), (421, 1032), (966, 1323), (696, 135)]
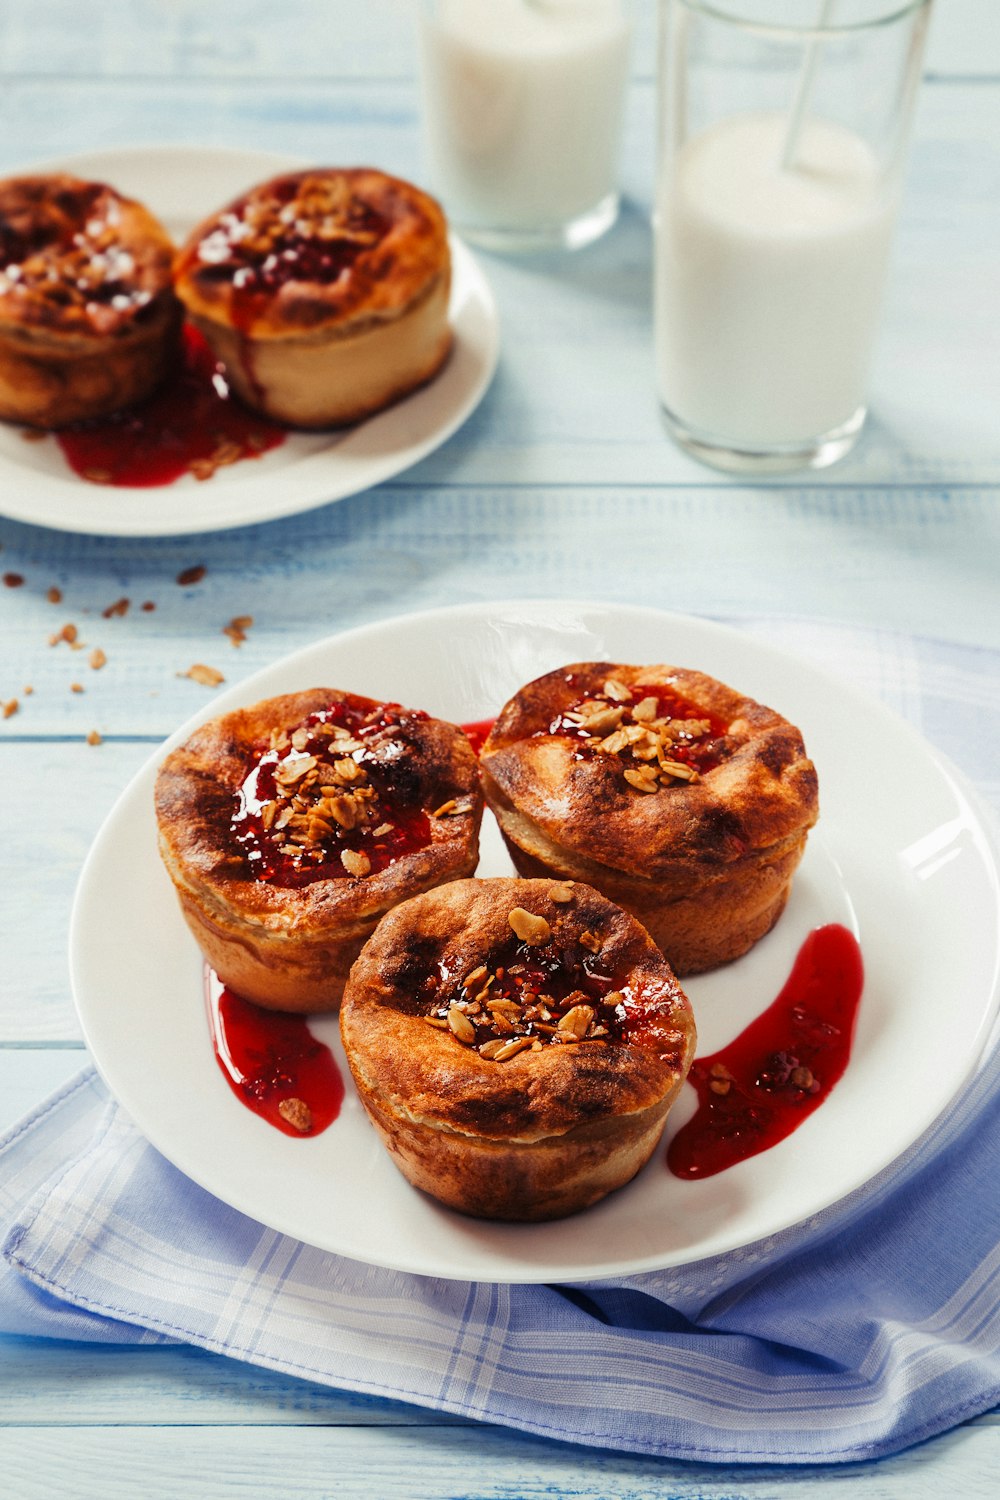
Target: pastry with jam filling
[(324, 293), (680, 798), (289, 828), (88, 319), (517, 1045)]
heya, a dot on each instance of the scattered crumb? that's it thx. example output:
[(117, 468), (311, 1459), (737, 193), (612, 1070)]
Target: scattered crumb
[(207, 676), (13, 580), (93, 738), (237, 628), (120, 607), (54, 595), (68, 633), (33, 435), (192, 575), (76, 687), (97, 658), (28, 690), (96, 476), (10, 708), (148, 605), (297, 1113)]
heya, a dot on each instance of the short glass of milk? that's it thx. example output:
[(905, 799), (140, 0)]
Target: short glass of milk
[(783, 127), (523, 106)]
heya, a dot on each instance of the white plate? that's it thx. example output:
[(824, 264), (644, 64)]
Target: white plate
[(182, 185), (899, 856)]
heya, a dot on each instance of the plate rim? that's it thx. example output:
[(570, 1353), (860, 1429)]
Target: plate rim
[(153, 521), (966, 795)]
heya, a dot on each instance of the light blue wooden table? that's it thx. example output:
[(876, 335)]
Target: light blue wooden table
[(562, 484)]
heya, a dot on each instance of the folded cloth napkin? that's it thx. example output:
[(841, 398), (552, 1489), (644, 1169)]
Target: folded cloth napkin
[(872, 1326)]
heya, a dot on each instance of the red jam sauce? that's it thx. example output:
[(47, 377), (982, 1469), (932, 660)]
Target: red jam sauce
[(760, 1088), (478, 732), (552, 993), (321, 806), (191, 425), (273, 1063), (702, 746)]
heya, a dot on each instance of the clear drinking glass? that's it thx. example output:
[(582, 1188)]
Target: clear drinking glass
[(783, 127), (523, 103)]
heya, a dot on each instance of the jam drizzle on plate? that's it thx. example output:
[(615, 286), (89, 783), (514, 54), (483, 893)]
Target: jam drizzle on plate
[(191, 425), (759, 1089), (273, 1063), (478, 732)]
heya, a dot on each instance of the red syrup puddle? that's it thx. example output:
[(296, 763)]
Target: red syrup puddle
[(781, 1068), (191, 424), (478, 732), (269, 1056)]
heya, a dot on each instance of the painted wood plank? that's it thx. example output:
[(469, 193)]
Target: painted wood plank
[(923, 560), (574, 400), (43, 1381), (399, 1463), (248, 39)]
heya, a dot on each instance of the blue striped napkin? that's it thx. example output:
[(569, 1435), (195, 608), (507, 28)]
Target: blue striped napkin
[(869, 1328)]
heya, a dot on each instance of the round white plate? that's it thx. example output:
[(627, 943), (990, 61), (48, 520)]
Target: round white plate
[(899, 856), (182, 185)]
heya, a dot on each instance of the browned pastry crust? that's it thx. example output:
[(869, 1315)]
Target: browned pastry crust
[(516, 1118), (324, 292), (88, 318), (287, 940), (704, 861)]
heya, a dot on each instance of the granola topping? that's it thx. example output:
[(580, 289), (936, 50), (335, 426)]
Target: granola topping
[(318, 804), (307, 229), (528, 995), (660, 738)]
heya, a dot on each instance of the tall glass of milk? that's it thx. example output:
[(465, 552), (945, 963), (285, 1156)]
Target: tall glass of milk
[(783, 127), (523, 104)]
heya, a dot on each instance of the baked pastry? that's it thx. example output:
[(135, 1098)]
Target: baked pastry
[(290, 827), (88, 319), (517, 1044), (678, 797), (324, 293)]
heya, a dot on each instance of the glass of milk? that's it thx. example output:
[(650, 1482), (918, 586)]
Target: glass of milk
[(523, 103), (783, 127)]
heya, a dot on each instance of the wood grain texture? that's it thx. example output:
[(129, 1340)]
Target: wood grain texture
[(401, 1463)]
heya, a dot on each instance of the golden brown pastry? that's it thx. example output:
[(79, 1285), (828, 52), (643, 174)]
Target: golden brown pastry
[(517, 1044), (324, 292), (88, 318), (678, 797), (291, 827)]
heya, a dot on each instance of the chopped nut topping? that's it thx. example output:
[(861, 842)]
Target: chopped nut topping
[(561, 893), (93, 738), (237, 628), (354, 862), (10, 708), (637, 727), (97, 658), (617, 690), (591, 941), (528, 927), (207, 676), (460, 1025), (446, 809), (297, 1113), (76, 687), (68, 634)]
